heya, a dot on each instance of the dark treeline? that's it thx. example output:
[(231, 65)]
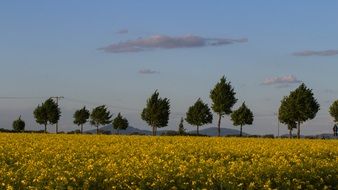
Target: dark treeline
[(296, 108)]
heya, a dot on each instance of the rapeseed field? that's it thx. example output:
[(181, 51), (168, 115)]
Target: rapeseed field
[(47, 161)]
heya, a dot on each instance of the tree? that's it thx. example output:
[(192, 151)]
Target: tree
[(334, 111), (285, 116), (120, 123), (223, 99), (100, 116), (298, 107), (199, 114), (181, 129), (19, 125), (48, 112), (242, 116), (156, 113), (81, 117)]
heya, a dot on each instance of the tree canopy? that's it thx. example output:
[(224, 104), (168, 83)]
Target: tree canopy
[(48, 112), (120, 123), (298, 107), (100, 116), (81, 116), (334, 111), (156, 113), (242, 116), (199, 114), (19, 125), (223, 99)]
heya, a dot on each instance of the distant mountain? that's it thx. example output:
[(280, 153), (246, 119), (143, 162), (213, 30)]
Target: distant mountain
[(133, 130)]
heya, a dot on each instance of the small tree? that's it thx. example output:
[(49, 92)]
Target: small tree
[(48, 112), (334, 111), (285, 115), (156, 113), (242, 116), (19, 125), (199, 114), (223, 99), (120, 123), (181, 129), (81, 117), (100, 116), (298, 107)]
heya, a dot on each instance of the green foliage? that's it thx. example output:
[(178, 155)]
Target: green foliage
[(81, 116), (100, 116), (156, 113), (334, 111), (298, 107), (19, 125), (181, 129), (242, 116), (199, 114), (48, 112), (223, 99), (120, 123)]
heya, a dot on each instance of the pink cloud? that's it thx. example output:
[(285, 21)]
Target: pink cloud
[(284, 81), (316, 53)]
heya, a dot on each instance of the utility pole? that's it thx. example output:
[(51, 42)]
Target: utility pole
[(57, 103)]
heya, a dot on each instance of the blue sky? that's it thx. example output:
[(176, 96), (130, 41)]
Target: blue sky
[(118, 52)]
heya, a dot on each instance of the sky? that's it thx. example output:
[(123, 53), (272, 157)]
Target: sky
[(118, 53)]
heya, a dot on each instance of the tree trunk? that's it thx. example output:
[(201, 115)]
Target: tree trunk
[(290, 133), (97, 129), (56, 128), (198, 133), (81, 128), (298, 130), (45, 128), (240, 133), (219, 125), (118, 132), (153, 131)]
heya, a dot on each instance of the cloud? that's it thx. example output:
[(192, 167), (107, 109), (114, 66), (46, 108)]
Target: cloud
[(147, 71), (282, 82), (168, 42), (316, 53), (122, 31)]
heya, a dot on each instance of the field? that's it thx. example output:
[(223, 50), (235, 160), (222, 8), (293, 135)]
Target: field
[(46, 161)]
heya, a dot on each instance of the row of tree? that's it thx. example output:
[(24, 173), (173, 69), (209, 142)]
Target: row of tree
[(295, 109)]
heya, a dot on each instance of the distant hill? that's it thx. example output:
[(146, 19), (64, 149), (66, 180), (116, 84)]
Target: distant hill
[(133, 130)]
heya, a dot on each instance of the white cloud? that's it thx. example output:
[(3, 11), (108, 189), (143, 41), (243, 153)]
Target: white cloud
[(316, 53), (147, 71), (283, 81)]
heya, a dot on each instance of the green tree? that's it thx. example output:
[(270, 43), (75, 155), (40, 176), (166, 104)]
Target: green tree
[(334, 111), (19, 125), (199, 114), (298, 107), (100, 116), (48, 112), (120, 123), (181, 129), (223, 99), (285, 115), (242, 116), (81, 117), (156, 113)]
